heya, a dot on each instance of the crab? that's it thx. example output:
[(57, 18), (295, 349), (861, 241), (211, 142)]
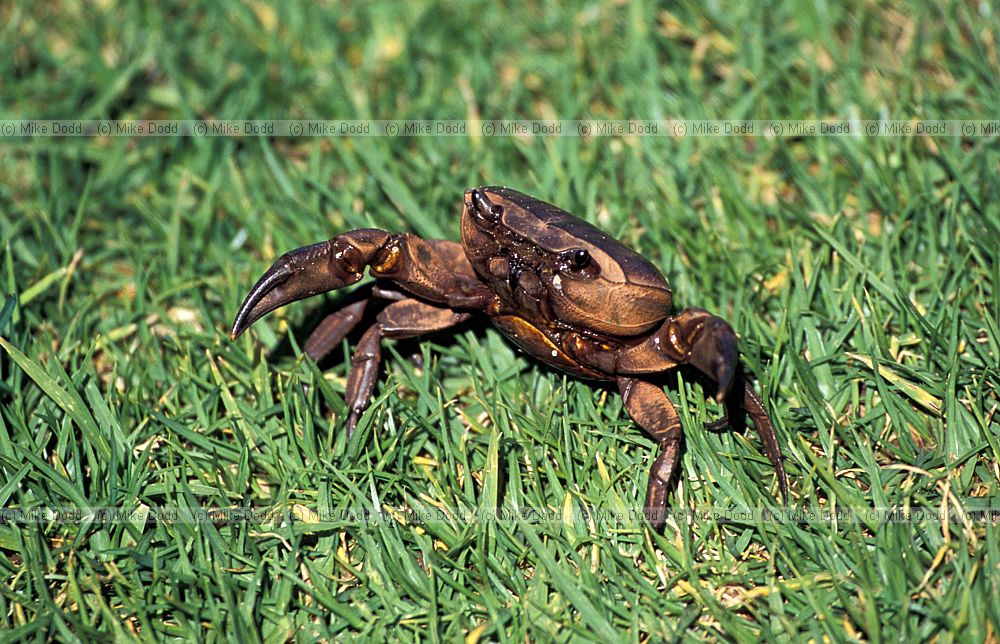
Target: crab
[(559, 288)]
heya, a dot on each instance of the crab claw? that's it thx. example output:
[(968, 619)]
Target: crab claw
[(714, 353), (296, 275)]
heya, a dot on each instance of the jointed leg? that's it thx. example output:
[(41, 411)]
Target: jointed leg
[(338, 324), (652, 410), (754, 407), (403, 319), (708, 343), (333, 329)]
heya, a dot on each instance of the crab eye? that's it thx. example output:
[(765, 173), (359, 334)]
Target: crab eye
[(578, 264), (576, 259), (484, 212)]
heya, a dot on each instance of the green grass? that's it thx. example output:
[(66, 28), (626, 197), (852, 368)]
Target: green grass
[(860, 273)]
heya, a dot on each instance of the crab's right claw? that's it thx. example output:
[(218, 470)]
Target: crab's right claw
[(297, 275)]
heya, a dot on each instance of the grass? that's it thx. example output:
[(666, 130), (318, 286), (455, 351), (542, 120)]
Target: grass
[(860, 273)]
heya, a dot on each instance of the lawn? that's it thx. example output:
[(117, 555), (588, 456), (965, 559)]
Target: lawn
[(859, 272)]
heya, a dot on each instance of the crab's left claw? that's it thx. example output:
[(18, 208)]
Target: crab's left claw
[(296, 275), (310, 271), (714, 353)]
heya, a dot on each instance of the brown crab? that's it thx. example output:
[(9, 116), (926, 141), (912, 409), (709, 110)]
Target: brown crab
[(559, 288)]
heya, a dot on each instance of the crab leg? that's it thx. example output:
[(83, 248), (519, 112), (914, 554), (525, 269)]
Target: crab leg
[(650, 407), (708, 343), (755, 408), (403, 319), (333, 329)]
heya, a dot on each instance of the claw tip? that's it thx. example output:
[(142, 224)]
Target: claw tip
[(236, 331)]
